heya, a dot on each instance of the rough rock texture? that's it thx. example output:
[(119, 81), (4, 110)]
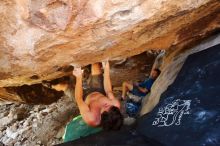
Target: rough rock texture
[(39, 40), (39, 125), (137, 67), (171, 63)]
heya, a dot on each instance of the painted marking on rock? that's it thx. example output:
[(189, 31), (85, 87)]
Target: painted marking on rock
[(172, 113)]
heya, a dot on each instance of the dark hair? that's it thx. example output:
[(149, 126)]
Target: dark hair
[(111, 120), (158, 71)]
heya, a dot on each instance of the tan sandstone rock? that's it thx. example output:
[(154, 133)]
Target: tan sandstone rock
[(40, 39)]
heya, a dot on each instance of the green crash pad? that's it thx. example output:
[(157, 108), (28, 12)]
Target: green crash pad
[(77, 128)]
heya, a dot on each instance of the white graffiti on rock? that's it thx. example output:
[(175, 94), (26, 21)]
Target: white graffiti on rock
[(172, 113)]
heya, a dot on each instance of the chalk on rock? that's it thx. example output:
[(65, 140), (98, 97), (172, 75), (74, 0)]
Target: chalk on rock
[(11, 134), (39, 142), (26, 123), (35, 125), (17, 144)]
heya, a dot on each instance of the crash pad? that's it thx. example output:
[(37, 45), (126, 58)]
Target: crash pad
[(77, 128), (127, 136)]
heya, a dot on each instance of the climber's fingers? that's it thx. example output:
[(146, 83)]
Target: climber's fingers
[(105, 63), (77, 71)]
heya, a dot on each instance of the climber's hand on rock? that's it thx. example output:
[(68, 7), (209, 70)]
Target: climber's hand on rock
[(77, 72), (105, 64)]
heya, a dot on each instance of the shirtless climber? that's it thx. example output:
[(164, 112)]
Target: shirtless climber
[(100, 107), (97, 104)]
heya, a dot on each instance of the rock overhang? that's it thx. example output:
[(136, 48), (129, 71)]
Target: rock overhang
[(38, 39)]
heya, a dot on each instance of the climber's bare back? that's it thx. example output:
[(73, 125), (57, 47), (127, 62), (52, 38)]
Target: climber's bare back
[(96, 100), (97, 103)]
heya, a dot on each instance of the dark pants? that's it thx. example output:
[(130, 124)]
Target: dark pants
[(95, 84)]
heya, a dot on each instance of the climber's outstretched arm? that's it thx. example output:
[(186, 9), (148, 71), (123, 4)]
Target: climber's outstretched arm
[(108, 84), (107, 80), (78, 73), (84, 109)]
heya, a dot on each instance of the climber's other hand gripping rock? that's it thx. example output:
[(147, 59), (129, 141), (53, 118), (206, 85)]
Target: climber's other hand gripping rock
[(77, 72)]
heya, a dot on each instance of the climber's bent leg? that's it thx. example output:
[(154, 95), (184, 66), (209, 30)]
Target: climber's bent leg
[(126, 86), (96, 69)]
